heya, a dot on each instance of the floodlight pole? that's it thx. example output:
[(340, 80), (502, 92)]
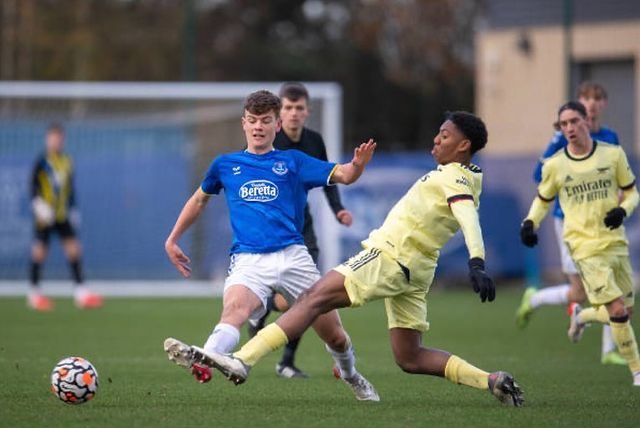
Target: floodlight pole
[(189, 33), (568, 46)]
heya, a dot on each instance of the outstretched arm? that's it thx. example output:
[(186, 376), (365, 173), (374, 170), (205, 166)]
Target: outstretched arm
[(539, 209), (630, 199), (628, 203), (349, 172), (189, 214), (465, 212), (531, 223), (343, 215), (547, 191)]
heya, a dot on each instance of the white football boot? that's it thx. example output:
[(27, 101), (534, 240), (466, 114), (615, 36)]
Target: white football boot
[(179, 352), (362, 388), (576, 328), (233, 368), (188, 356), (504, 387)]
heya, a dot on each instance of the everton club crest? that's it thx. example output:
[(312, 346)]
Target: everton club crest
[(280, 168)]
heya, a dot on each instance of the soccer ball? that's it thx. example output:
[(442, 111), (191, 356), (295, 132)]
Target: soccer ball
[(74, 380)]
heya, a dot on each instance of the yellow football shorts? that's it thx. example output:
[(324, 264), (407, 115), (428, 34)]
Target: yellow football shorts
[(372, 274), (607, 277)]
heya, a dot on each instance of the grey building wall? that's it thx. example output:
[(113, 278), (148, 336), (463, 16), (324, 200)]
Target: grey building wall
[(504, 14)]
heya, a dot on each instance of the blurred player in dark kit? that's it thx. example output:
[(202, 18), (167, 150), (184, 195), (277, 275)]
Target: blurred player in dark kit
[(55, 211)]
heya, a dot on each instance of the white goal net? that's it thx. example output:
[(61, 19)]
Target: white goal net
[(140, 150)]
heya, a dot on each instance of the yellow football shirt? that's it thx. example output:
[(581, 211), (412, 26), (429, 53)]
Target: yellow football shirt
[(588, 187), (429, 214)]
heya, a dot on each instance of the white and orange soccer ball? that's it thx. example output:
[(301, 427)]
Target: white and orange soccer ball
[(74, 380)]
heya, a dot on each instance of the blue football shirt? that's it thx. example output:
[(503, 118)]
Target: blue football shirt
[(559, 142), (266, 195)]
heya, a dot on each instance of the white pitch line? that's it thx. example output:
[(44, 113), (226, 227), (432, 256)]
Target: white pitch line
[(120, 288)]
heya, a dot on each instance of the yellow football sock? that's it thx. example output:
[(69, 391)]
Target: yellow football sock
[(458, 370), (591, 314), (625, 340), (267, 340)]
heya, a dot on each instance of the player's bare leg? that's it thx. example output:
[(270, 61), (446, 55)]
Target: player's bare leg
[(609, 354), (82, 296), (316, 307), (35, 299), (39, 252), (286, 367), (239, 302), (561, 294), (412, 357), (297, 319), (576, 291), (618, 316), (337, 342), (327, 294), (566, 294)]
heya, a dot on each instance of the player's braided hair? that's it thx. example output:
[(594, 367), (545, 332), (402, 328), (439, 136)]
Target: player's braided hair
[(262, 102), (471, 126)]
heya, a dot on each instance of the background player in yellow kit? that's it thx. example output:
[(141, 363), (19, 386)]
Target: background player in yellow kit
[(594, 98), (398, 264), (587, 177)]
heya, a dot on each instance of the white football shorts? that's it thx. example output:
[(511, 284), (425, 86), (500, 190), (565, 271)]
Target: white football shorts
[(289, 272), (568, 266)]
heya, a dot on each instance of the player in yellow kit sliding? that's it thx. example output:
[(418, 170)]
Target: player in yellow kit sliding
[(587, 176), (398, 264)]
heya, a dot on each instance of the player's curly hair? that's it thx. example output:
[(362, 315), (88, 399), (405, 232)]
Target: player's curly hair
[(471, 126), (262, 102), (573, 105)]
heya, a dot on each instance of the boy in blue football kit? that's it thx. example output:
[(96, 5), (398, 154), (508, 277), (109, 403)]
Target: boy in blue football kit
[(266, 192), (594, 97), (398, 265), (294, 135)]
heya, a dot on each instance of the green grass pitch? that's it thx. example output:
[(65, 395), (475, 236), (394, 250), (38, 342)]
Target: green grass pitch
[(565, 384)]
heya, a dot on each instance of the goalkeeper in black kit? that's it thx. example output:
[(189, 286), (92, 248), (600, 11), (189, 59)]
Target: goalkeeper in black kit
[(54, 210)]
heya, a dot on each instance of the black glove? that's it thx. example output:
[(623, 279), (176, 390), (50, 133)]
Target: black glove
[(614, 218), (480, 280), (527, 235)]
